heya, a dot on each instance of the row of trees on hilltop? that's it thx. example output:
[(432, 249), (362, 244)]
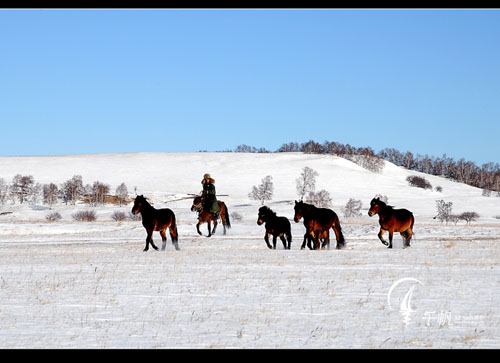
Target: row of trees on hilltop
[(486, 176), (24, 189)]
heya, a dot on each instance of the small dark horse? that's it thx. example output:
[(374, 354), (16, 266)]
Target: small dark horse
[(392, 220), (204, 216), (275, 226), (318, 222), (156, 220)]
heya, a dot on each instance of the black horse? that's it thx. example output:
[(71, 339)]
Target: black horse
[(318, 222), (156, 220), (275, 226)]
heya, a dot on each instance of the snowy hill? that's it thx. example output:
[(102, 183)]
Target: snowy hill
[(166, 176)]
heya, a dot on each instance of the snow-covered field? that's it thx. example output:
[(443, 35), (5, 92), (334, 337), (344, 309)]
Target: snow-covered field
[(70, 284)]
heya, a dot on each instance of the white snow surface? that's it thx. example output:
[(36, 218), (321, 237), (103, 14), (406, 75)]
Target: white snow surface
[(69, 284)]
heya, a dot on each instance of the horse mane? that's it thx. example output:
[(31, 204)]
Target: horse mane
[(268, 210), (145, 201), (383, 204), (308, 205)]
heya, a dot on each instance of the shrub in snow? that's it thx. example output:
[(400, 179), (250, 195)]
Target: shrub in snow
[(118, 216), (486, 193), (235, 216), (53, 217), (84, 216), (419, 182)]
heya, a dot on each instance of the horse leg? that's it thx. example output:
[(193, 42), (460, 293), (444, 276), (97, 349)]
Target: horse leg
[(406, 237), (289, 237), (198, 227), (174, 235), (209, 227), (309, 239), (390, 238), (304, 243), (215, 226), (223, 220), (340, 244), (149, 239), (283, 240), (266, 238), (326, 240), (275, 238), (381, 238), (164, 239)]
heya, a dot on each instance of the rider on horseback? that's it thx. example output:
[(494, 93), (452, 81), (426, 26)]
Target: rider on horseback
[(209, 199)]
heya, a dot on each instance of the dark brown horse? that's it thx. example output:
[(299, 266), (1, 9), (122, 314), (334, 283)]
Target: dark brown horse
[(204, 216), (318, 222), (275, 226), (156, 220), (392, 220)]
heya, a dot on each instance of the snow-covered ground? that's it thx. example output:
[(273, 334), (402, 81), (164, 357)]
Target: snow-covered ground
[(70, 284)]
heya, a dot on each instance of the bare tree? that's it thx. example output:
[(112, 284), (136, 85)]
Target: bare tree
[(444, 211), (353, 208), (121, 193), (383, 198), (99, 191), (264, 191), (50, 192), (4, 191), (306, 182), (320, 199), (469, 216), (23, 187), (72, 189)]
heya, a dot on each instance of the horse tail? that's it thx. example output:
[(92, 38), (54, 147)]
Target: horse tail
[(410, 233), (173, 232), (338, 231), (228, 221)]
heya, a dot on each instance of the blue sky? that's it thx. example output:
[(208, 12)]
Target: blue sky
[(94, 81)]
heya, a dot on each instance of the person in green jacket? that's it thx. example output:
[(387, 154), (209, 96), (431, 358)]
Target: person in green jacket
[(210, 203)]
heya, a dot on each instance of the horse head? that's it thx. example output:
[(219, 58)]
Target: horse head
[(298, 211), (375, 206), (197, 201), (138, 204), (263, 212)]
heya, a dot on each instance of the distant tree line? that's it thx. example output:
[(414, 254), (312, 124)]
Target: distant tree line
[(24, 189), (486, 176)]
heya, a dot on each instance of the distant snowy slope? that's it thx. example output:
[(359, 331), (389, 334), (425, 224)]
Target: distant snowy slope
[(164, 175)]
